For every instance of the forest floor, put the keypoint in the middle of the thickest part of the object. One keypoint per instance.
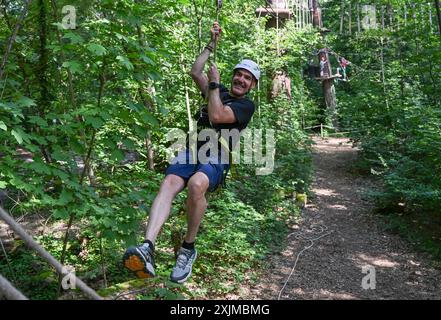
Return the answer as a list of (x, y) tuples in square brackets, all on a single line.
[(352, 249)]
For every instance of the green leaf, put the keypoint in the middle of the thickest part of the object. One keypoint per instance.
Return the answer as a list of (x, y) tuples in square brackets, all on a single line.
[(25, 102), (147, 60), (59, 25), (154, 75), (148, 118), (74, 66), (61, 213), (117, 155), (2, 184), (96, 122), (107, 222), (76, 146), (97, 49), (60, 155), (17, 136), (121, 37), (40, 167), (20, 135), (74, 38), (125, 62), (39, 121), (3, 126), (66, 196), (61, 174)]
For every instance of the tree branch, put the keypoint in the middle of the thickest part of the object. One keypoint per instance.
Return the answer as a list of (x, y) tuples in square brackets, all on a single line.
[(13, 37)]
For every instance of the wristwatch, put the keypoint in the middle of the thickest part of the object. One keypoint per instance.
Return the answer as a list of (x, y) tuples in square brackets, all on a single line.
[(213, 85)]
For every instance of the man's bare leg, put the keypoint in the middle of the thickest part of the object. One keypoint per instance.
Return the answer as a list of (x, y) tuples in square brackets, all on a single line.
[(161, 207), (139, 259), (196, 204)]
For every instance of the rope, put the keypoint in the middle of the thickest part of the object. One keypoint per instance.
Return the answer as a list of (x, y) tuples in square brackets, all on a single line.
[(44, 254), (218, 8), (303, 236), (10, 291), (342, 130)]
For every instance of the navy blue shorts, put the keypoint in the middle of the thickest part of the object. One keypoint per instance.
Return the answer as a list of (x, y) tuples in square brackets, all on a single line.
[(185, 170)]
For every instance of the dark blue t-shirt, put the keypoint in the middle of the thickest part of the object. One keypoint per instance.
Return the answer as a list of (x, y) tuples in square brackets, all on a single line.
[(243, 109)]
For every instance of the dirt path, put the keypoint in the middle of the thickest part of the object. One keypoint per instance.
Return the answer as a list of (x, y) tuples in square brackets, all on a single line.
[(350, 238)]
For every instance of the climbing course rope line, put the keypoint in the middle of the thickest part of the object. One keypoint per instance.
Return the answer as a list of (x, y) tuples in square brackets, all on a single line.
[(360, 69), (299, 235), (44, 254)]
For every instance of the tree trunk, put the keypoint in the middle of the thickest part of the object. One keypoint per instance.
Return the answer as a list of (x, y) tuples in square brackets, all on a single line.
[(12, 38), (405, 15), (44, 99), (149, 106), (430, 18), (390, 13), (382, 17), (342, 15), (438, 15), (350, 18), (358, 18), (316, 18), (383, 77), (331, 101), (72, 96)]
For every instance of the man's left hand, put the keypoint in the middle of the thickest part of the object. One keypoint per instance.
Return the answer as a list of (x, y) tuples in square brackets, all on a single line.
[(213, 74)]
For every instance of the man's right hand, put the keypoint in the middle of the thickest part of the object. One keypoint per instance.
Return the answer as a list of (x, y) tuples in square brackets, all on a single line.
[(216, 31)]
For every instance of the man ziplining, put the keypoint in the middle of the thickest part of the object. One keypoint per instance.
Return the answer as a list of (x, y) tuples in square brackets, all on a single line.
[(226, 109)]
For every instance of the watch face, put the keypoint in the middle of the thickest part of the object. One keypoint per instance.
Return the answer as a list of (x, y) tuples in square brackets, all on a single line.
[(213, 85)]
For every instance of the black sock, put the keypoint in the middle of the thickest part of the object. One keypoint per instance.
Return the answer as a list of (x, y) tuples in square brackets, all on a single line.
[(189, 246), (151, 245)]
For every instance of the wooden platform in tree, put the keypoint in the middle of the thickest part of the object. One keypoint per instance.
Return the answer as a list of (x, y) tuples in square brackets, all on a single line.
[(329, 77), (282, 13)]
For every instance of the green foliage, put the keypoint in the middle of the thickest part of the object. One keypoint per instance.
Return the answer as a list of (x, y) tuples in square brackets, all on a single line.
[(76, 104), (394, 115)]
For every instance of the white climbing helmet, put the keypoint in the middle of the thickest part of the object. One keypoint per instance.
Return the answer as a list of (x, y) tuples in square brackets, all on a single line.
[(251, 66)]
